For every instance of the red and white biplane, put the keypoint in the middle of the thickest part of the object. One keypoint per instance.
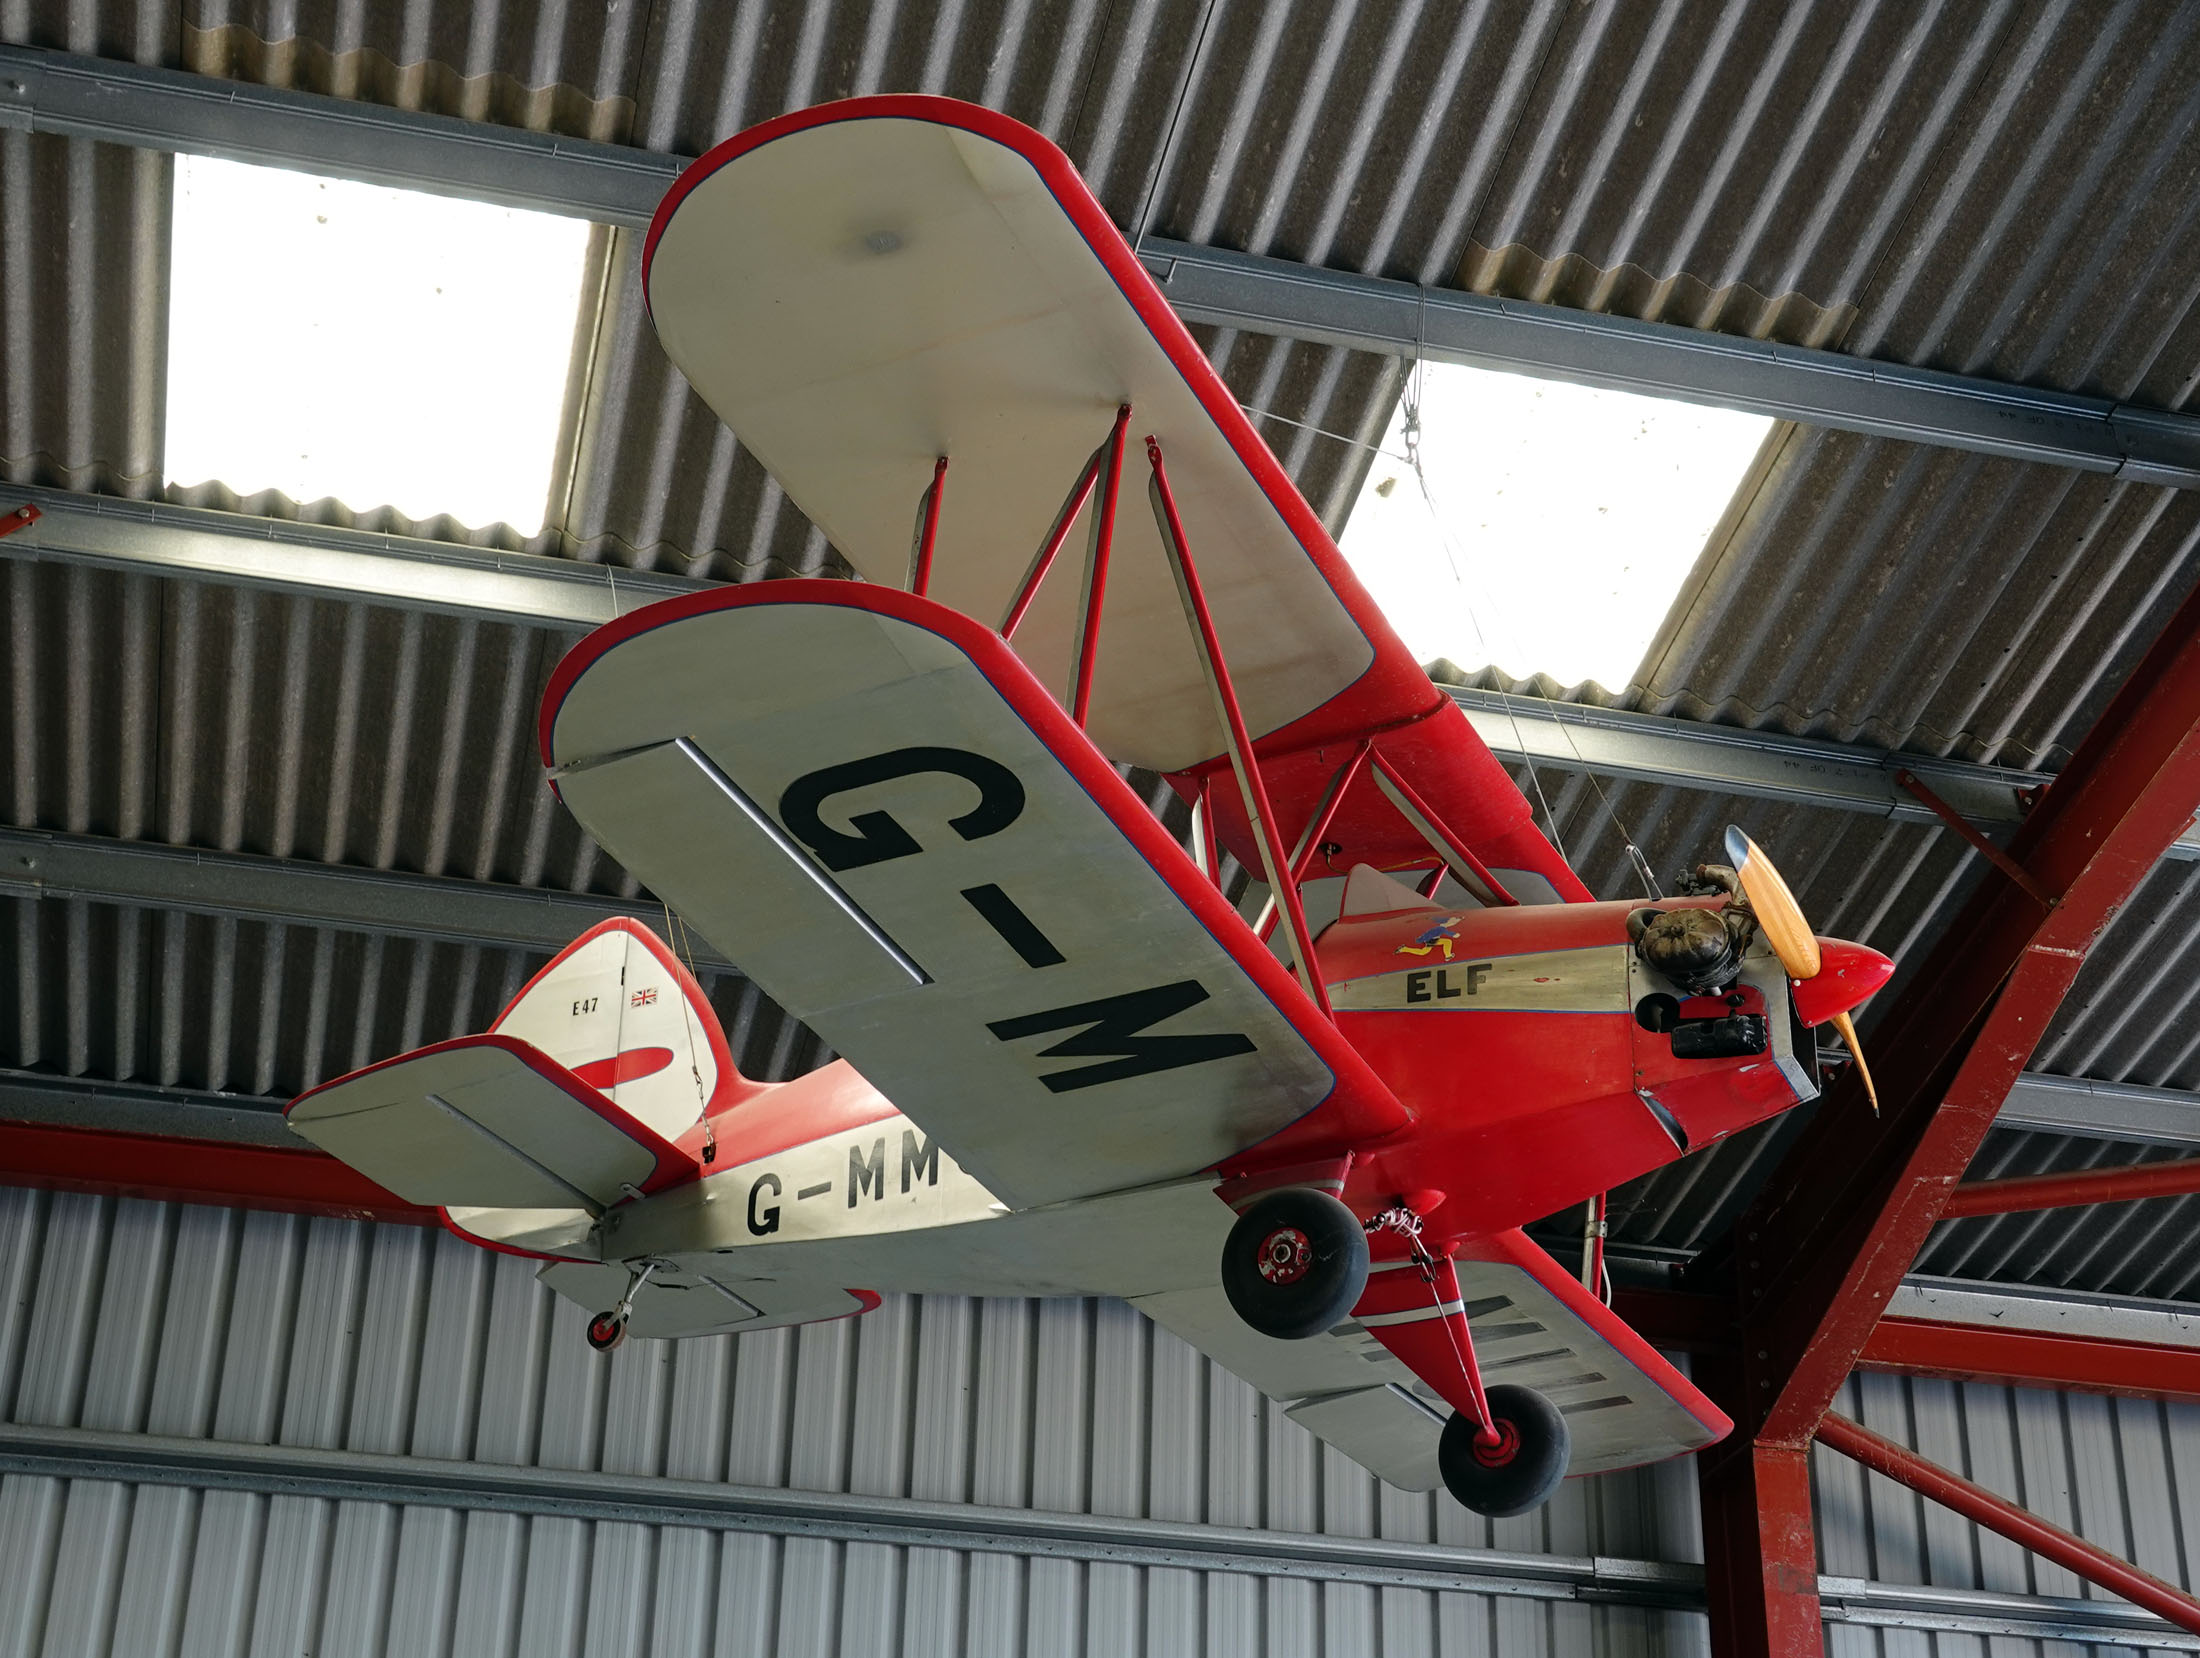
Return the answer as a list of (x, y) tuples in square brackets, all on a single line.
[(1070, 1066)]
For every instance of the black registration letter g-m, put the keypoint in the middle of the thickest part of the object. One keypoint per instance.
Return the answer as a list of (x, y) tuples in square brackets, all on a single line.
[(877, 835)]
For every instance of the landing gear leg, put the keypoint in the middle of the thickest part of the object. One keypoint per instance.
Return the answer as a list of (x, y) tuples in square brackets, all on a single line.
[(1505, 1448), (608, 1330)]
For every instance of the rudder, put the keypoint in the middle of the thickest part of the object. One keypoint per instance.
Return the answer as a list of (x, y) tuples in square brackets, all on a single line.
[(620, 1011)]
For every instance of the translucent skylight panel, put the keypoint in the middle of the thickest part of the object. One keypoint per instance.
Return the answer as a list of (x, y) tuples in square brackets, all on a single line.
[(380, 346), (1557, 525)]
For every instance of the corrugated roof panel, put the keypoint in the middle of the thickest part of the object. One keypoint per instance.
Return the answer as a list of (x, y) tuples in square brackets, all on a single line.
[(549, 68), (231, 717), (1740, 168), (266, 1010), (1914, 598), (710, 71), (83, 313), (2139, 1249), (131, 31), (2054, 240), (2134, 1013)]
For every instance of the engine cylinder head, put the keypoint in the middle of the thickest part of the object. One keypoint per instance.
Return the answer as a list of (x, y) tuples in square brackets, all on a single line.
[(1694, 948)]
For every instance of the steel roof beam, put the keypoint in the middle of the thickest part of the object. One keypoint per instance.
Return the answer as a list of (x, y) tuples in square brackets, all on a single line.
[(167, 109), (298, 892), (2130, 1183), (1759, 765), (2103, 1110), (170, 109), (405, 572), (1819, 388)]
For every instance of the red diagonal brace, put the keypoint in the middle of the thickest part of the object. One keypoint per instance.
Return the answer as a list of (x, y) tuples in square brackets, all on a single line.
[(1831, 1234), (1964, 827), (2020, 1525), (2062, 1191), (19, 518)]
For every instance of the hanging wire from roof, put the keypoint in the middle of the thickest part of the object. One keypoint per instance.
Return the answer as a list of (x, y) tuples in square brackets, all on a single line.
[(1410, 405)]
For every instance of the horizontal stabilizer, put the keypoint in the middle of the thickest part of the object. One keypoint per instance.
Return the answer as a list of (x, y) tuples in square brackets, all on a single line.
[(485, 1122)]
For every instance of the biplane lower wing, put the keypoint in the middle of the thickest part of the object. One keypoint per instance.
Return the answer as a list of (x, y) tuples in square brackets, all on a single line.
[(1534, 1325), (867, 802), (486, 1122)]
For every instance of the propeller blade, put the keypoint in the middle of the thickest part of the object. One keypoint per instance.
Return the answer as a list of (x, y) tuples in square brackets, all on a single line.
[(1847, 1028), (1777, 913)]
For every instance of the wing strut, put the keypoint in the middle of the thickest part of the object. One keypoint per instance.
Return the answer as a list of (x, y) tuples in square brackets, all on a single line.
[(1274, 866), (928, 531), (1096, 569), (1468, 870), (1302, 855)]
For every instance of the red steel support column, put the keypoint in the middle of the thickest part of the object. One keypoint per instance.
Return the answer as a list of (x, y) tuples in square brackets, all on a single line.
[(1827, 1240), (2063, 1191), (1760, 1552), (2020, 1525), (1829, 1237)]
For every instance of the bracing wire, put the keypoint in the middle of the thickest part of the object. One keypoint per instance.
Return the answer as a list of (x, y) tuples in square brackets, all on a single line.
[(1411, 404)]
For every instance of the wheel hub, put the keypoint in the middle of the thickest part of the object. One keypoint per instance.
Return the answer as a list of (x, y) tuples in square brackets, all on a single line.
[(1286, 1254), (1497, 1452)]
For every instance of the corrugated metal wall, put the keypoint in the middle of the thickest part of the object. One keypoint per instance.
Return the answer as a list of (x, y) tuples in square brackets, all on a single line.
[(391, 1344), (2122, 1473), (240, 1418)]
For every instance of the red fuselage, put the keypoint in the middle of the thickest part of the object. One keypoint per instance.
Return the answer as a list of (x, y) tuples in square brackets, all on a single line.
[(1513, 1037)]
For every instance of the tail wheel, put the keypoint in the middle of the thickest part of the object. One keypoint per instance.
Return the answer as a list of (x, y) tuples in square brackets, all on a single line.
[(1521, 1468), (1295, 1263), (606, 1331)]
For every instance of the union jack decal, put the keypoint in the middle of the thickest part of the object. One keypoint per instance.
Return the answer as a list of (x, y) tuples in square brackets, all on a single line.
[(642, 998)]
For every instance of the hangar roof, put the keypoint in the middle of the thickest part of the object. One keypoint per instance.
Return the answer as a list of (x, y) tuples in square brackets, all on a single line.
[(2011, 198)]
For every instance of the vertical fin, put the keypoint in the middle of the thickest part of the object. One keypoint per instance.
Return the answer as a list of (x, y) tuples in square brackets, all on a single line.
[(620, 1011)]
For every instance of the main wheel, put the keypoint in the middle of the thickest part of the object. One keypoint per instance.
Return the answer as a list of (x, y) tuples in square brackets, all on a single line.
[(606, 1331), (1522, 1469), (1295, 1263)]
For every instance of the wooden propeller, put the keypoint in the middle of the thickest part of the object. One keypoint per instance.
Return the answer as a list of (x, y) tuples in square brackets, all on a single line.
[(1781, 920)]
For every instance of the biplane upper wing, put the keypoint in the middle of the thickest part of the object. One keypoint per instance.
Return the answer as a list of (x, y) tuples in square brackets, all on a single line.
[(867, 801), (863, 287)]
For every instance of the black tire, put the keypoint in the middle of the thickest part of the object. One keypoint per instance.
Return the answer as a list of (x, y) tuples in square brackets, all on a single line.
[(1295, 1263), (606, 1331), (1530, 1460)]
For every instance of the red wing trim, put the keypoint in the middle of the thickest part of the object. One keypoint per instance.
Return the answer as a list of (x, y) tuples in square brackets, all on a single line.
[(443, 1216), (1375, 1111), (1393, 687), (732, 1086), (674, 1166)]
